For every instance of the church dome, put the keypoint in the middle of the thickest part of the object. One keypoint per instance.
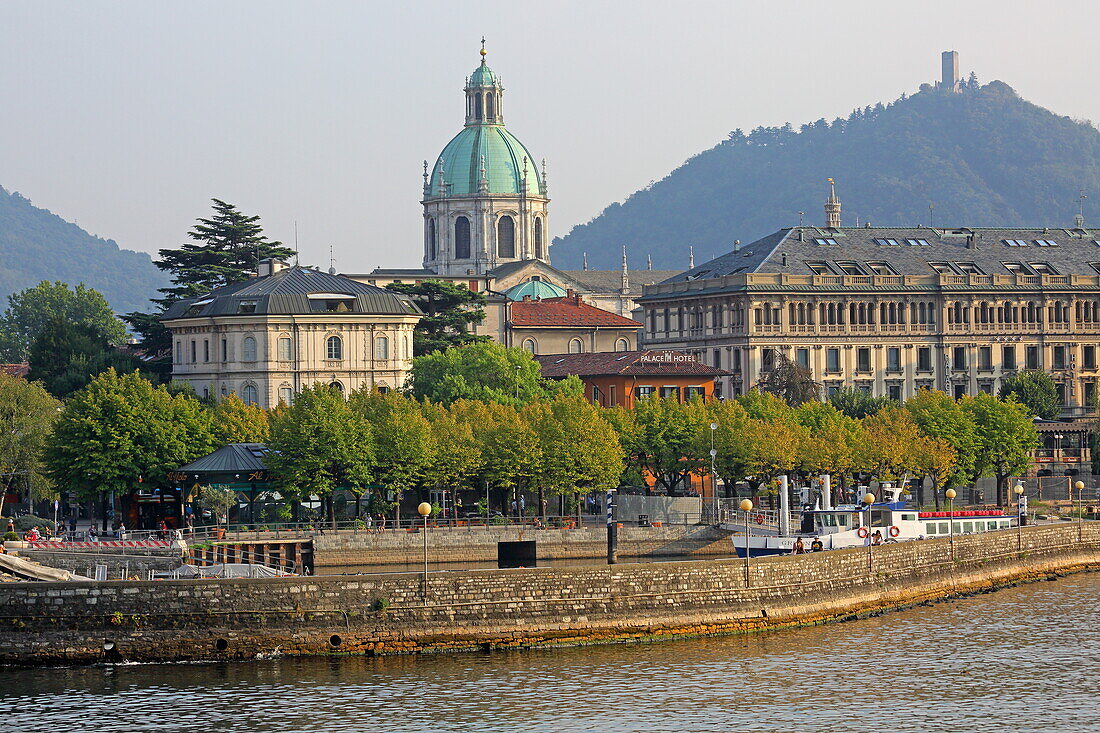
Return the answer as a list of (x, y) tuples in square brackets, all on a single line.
[(461, 160), (483, 76), (535, 289)]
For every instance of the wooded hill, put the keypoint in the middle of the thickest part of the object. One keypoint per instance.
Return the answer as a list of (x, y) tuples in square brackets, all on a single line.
[(36, 245), (982, 156)]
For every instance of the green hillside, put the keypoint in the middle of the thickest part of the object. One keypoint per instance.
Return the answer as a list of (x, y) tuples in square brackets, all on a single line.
[(37, 245), (984, 156)]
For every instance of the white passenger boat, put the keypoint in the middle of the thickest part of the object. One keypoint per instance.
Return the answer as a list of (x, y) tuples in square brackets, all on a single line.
[(852, 525)]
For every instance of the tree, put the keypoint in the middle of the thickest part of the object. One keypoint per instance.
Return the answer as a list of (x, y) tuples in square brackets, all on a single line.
[(319, 444), (232, 421), (579, 448), (27, 415), (120, 432), (666, 442), (1006, 436), (66, 356), (30, 311), (403, 435), (790, 382), (224, 249), (449, 311), (510, 448), (940, 417), (1035, 390), (888, 446), (457, 459), (831, 441), (487, 372), (856, 403)]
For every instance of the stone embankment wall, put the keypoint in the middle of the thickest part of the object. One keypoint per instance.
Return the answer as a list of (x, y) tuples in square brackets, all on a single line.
[(83, 563), (398, 613), (479, 544)]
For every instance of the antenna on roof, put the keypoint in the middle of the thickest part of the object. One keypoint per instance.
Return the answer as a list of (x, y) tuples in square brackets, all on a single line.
[(691, 257), (295, 242), (931, 211), (1080, 221), (331, 262), (584, 261), (800, 215)]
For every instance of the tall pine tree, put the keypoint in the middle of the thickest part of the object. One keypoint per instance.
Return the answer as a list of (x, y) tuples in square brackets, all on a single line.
[(224, 249)]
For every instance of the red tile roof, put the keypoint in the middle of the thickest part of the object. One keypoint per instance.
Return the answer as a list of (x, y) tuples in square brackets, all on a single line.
[(567, 311), (16, 370), (625, 363)]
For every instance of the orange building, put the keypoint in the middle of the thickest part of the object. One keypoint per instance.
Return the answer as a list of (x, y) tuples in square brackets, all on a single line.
[(620, 378)]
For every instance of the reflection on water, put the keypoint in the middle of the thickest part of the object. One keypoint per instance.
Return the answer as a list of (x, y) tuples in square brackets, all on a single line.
[(1018, 660)]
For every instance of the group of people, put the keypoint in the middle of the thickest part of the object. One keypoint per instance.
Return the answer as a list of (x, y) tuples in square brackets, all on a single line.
[(800, 546)]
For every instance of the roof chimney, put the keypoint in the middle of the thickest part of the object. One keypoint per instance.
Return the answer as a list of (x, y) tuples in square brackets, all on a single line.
[(270, 266), (737, 245)]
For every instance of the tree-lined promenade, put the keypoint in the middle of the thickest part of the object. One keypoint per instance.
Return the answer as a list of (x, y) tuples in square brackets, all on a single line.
[(481, 418)]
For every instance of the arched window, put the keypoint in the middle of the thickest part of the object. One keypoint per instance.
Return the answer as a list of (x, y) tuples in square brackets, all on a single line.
[(575, 346), (248, 394), (431, 239), (538, 239), (381, 347), (622, 345), (489, 107), (248, 349), (530, 346), (477, 106), (462, 238), (334, 348), (337, 387), (506, 237)]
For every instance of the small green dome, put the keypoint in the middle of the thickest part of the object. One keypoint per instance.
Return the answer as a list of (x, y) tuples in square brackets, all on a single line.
[(504, 154), (535, 289), (483, 76)]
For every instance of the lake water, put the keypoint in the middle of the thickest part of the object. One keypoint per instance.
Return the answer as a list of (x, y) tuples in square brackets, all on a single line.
[(1022, 659)]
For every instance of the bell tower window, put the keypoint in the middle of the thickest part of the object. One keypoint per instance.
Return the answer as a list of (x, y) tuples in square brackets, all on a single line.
[(489, 107), (506, 237), (462, 238), (538, 239), (431, 239), (477, 106)]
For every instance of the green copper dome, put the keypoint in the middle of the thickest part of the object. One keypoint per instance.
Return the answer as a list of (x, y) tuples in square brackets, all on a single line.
[(483, 76), (535, 289), (504, 154)]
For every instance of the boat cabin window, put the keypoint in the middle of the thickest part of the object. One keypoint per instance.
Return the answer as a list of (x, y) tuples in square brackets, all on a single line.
[(991, 525), (880, 517), (908, 517), (1006, 524), (831, 519)]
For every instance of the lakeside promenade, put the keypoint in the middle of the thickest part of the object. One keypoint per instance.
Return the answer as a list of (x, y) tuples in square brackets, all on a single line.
[(408, 613)]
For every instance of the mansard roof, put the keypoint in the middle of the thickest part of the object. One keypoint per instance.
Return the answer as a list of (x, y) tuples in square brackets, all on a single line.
[(293, 291), (625, 363), (909, 251)]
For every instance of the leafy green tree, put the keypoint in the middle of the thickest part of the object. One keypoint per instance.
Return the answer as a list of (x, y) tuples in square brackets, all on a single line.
[(666, 443), (830, 443), (790, 382), (1006, 436), (66, 356), (510, 449), (579, 448), (1035, 390), (764, 406), (938, 416), (858, 404), (27, 415), (457, 460), (30, 311), (318, 445), (403, 436), (120, 432), (487, 372), (888, 447), (232, 421), (449, 311)]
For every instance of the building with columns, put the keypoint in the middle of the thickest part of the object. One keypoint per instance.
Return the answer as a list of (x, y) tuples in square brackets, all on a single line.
[(894, 310), (268, 337)]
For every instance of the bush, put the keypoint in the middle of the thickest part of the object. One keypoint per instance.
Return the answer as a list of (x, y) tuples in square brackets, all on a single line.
[(27, 521), (11, 537)]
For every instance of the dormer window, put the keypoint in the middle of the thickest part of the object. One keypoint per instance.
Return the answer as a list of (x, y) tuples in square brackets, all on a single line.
[(247, 306), (969, 268), (331, 302), (881, 268), (850, 268), (1043, 268), (197, 307)]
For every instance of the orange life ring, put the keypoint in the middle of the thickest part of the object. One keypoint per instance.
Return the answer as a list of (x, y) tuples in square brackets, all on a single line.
[(759, 518), (863, 532), (895, 531)]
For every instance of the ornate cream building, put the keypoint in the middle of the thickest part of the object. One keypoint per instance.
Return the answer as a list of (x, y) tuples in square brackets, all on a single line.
[(892, 310), (290, 327)]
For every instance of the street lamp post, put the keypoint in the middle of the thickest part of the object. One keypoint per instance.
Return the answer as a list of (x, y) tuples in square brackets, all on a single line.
[(424, 509), (1080, 486), (746, 507), (1020, 514), (868, 500), (713, 473), (951, 494)]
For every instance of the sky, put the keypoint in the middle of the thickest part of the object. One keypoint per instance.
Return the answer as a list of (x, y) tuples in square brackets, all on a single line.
[(128, 117)]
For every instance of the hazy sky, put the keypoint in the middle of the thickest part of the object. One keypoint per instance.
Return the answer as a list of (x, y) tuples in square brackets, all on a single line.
[(127, 117)]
